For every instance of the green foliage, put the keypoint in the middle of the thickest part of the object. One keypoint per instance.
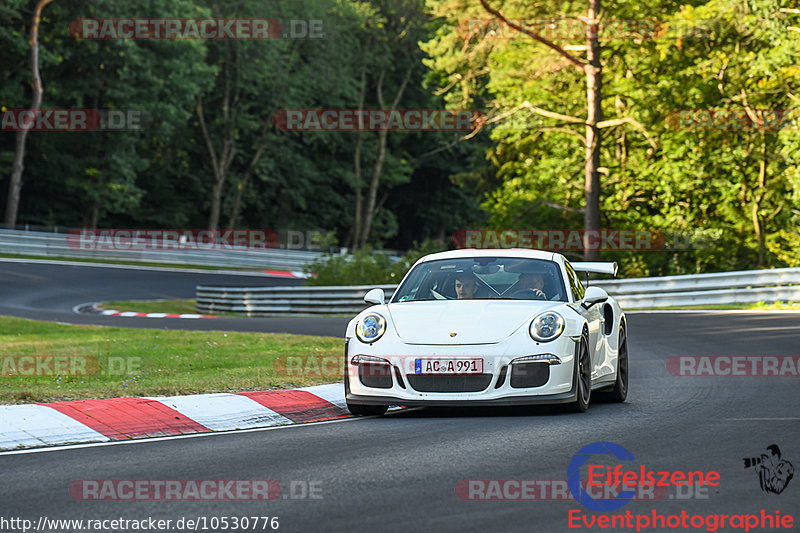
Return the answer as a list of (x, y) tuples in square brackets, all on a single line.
[(522, 170), (690, 179), (365, 267)]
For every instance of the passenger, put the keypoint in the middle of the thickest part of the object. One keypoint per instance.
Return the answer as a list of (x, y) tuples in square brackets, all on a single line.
[(466, 286)]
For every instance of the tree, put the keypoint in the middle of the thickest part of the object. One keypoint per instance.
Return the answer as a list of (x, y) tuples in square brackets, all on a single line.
[(15, 184), (392, 62), (589, 67)]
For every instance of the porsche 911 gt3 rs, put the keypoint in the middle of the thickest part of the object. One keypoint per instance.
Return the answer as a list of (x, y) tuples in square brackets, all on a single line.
[(488, 327)]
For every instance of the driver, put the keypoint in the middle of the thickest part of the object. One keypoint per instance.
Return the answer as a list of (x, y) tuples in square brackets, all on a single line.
[(531, 282), (466, 285)]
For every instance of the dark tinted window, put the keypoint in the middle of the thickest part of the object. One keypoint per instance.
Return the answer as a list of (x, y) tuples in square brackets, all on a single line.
[(574, 283), (506, 278)]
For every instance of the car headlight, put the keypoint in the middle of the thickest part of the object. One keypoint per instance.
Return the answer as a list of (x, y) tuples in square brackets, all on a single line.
[(547, 326), (370, 328), (549, 358)]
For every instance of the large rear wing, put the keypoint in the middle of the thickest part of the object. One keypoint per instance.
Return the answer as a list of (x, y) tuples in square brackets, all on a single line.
[(598, 267)]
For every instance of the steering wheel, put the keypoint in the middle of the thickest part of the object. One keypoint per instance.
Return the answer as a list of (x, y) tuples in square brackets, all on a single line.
[(528, 294)]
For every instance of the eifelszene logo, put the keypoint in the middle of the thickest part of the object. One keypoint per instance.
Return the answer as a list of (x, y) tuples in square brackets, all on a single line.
[(774, 473), (600, 475), (574, 477)]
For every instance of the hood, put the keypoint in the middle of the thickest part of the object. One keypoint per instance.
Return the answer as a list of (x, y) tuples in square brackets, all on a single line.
[(473, 321)]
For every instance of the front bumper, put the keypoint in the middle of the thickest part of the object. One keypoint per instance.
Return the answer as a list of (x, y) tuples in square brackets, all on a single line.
[(500, 383)]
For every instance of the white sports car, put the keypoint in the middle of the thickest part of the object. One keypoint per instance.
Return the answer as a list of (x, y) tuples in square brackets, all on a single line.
[(487, 327)]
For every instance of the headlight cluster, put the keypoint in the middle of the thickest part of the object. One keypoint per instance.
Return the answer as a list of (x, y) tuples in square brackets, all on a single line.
[(370, 328), (547, 326)]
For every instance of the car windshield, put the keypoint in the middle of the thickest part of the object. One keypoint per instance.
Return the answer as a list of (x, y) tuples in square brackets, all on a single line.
[(507, 278)]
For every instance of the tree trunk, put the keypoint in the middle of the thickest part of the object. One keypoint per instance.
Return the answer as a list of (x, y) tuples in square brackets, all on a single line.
[(94, 218), (369, 210), (594, 114), (219, 165), (594, 80), (222, 163), (357, 167), (758, 196), (216, 200), (262, 144), (15, 183), (372, 195)]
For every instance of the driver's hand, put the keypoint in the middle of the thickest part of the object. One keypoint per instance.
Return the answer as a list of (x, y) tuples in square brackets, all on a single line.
[(537, 292)]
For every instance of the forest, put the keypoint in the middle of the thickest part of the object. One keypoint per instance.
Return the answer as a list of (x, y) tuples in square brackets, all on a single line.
[(674, 118)]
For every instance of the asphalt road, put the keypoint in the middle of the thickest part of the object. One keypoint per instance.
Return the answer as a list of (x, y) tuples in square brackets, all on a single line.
[(400, 472), (46, 291)]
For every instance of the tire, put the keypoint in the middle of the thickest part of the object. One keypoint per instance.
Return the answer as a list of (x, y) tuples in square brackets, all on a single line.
[(583, 377), (620, 391), (357, 409)]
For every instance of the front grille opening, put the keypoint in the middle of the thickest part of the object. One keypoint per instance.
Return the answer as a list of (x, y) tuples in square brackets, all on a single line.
[(533, 374), (376, 375), (502, 378), (399, 377), (449, 382)]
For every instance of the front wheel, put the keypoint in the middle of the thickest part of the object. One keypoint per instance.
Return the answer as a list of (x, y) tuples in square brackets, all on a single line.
[(358, 409), (583, 375)]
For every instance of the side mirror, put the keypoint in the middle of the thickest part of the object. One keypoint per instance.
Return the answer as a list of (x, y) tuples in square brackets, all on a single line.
[(594, 295), (376, 296)]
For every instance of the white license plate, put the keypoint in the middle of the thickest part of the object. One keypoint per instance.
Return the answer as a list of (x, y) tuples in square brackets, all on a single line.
[(460, 365)]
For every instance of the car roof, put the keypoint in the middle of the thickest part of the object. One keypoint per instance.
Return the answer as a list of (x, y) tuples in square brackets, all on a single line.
[(504, 252)]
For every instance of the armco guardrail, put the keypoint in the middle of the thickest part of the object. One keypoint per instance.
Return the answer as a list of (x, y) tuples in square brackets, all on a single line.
[(266, 301), (748, 286), (670, 291), (56, 245)]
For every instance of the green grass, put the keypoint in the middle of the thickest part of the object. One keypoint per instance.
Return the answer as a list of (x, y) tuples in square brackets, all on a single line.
[(153, 306), (121, 362), (758, 306)]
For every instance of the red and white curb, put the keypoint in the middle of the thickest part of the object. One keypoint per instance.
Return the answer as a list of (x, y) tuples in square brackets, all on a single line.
[(82, 421), (286, 274), (114, 312)]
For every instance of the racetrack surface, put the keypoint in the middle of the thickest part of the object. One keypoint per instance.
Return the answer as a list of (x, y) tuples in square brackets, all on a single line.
[(399, 472), (48, 291)]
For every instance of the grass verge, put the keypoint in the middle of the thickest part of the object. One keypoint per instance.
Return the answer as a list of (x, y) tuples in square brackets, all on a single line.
[(108, 362), (153, 306)]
